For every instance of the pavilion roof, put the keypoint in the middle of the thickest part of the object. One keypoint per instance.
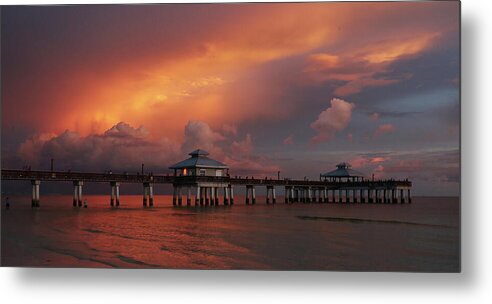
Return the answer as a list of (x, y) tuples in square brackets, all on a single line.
[(199, 159), (343, 170)]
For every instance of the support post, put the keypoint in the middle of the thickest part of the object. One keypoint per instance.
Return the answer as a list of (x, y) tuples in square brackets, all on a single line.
[(117, 188), (402, 198), (180, 196), (188, 197), (174, 195), (274, 196), (226, 195), (212, 196), (247, 195), (198, 198), (216, 194), (253, 195), (207, 196), (75, 194), (145, 194), (79, 200), (409, 197), (115, 194), (268, 195), (35, 193), (111, 200), (231, 190), (151, 194)]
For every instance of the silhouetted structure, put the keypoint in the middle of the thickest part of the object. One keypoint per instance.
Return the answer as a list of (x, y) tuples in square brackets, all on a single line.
[(206, 177)]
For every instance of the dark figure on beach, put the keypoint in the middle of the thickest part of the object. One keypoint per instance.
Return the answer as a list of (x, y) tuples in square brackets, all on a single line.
[(85, 203), (7, 203)]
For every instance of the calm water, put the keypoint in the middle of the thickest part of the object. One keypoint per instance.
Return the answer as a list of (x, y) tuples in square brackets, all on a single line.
[(423, 236)]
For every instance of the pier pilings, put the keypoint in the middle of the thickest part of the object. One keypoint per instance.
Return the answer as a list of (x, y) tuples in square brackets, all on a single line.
[(35, 193), (77, 193)]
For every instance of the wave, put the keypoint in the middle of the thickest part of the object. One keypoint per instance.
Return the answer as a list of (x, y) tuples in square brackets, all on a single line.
[(360, 221)]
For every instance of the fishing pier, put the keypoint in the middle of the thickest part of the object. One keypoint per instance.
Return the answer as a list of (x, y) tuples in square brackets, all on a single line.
[(202, 181)]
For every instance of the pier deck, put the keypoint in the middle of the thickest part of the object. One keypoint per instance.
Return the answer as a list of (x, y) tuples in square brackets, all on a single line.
[(207, 187)]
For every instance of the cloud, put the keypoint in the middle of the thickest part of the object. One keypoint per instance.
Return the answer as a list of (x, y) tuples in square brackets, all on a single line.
[(334, 119), (350, 72), (384, 129), (377, 160), (229, 129), (124, 148), (198, 134), (243, 147), (289, 140), (374, 116), (369, 65), (121, 147), (431, 166), (149, 80)]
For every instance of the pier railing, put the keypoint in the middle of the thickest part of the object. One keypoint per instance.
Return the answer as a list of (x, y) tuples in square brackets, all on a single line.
[(206, 187), (68, 176)]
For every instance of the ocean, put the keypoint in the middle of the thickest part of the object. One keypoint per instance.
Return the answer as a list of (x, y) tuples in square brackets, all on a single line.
[(420, 237)]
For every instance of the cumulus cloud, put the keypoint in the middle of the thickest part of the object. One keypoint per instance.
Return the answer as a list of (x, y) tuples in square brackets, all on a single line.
[(200, 134), (243, 147), (124, 148), (384, 129), (229, 129), (334, 119)]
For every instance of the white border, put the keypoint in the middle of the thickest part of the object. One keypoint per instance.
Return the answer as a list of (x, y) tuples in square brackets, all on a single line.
[(473, 285)]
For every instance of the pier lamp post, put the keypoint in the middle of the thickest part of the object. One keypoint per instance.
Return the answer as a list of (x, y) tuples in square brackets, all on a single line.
[(142, 169), (52, 160)]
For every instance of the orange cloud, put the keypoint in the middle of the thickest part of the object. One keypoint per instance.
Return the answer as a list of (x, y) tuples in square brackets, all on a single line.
[(203, 70), (362, 67), (333, 119), (377, 160), (289, 140), (374, 116), (384, 129)]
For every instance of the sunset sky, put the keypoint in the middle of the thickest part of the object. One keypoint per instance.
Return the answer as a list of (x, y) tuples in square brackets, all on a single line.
[(262, 87)]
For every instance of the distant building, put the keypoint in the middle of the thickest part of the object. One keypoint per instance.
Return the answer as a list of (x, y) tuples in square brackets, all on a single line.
[(199, 164), (343, 173)]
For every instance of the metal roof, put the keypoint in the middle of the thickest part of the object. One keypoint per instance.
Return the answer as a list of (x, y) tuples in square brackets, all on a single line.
[(343, 170), (199, 152), (199, 159)]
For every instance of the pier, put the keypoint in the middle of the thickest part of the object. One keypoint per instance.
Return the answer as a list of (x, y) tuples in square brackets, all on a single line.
[(203, 181)]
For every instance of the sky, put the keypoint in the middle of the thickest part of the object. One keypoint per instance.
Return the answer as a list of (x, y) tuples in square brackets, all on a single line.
[(295, 88)]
